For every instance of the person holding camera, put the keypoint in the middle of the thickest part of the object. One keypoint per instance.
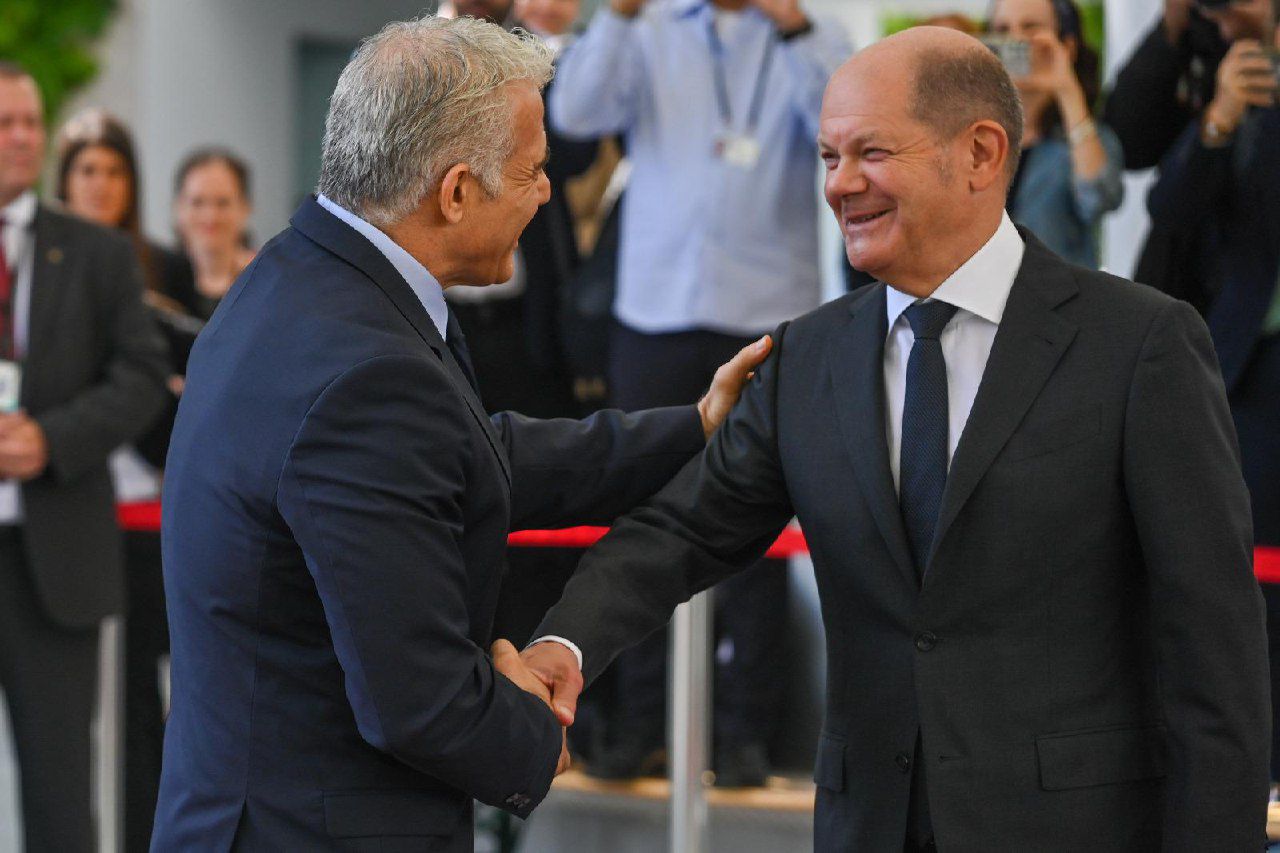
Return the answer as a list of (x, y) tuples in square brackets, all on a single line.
[(1166, 83), (1070, 173), (1221, 180)]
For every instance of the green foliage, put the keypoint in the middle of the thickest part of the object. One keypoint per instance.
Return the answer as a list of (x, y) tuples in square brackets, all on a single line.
[(52, 39), (1091, 19)]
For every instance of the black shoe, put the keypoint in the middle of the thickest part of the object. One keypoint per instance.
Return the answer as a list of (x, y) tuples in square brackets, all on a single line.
[(630, 759), (742, 765)]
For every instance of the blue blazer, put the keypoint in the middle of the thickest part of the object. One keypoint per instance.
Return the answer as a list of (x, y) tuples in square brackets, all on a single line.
[(1229, 199), (336, 511)]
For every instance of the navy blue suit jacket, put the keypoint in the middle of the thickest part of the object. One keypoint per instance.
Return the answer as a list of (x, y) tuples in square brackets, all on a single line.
[(1230, 198), (336, 511)]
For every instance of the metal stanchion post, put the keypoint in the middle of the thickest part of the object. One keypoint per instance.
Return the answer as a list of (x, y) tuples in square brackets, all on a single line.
[(690, 723), (110, 754)]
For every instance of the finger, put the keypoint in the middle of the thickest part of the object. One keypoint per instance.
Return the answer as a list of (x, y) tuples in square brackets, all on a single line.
[(739, 367), (565, 759)]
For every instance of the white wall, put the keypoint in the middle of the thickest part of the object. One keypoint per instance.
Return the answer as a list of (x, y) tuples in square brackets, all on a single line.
[(186, 73)]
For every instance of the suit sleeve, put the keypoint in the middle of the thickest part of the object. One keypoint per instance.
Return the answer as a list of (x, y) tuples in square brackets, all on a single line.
[(1191, 511), (717, 517), (1194, 187), (82, 432), (566, 472), (373, 488), (1143, 107)]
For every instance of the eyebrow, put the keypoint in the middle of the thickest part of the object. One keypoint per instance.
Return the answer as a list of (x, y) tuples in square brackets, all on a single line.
[(861, 140), (546, 158)]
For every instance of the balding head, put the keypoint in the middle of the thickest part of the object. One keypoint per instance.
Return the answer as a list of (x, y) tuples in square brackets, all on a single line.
[(919, 134), (952, 81)]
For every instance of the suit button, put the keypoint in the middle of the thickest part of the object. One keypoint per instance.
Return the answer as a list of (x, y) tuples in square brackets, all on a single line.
[(903, 761), (926, 640)]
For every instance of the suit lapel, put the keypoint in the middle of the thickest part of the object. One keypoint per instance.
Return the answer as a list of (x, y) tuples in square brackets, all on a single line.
[(325, 229), (856, 366), (1030, 342), (47, 286)]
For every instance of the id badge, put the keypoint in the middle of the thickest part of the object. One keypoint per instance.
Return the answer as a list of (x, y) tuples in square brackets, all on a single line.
[(742, 152), (10, 385)]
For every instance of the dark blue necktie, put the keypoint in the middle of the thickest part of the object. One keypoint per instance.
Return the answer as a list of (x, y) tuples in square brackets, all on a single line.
[(923, 460), (457, 343)]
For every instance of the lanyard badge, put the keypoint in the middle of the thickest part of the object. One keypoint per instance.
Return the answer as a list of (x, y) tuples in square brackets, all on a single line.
[(738, 148)]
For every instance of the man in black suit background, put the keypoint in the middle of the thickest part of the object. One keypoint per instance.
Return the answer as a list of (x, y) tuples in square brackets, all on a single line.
[(83, 372), (331, 571), (1028, 522)]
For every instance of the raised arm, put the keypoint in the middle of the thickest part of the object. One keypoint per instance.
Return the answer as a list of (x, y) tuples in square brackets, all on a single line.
[(717, 517), (601, 77)]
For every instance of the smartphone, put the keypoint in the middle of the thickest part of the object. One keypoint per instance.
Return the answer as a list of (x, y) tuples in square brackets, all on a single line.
[(1014, 54)]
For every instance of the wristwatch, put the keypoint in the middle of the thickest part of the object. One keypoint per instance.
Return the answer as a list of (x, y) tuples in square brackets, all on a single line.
[(1213, 136), (797, 32)]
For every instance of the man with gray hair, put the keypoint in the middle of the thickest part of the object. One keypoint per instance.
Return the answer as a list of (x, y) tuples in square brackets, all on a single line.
[(1030, 532), (337, 504)]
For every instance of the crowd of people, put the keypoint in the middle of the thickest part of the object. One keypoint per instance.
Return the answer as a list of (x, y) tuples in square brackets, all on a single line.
[(681, 225)]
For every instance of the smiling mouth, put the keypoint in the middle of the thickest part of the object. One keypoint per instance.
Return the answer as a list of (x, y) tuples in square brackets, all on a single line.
[(865, 218)]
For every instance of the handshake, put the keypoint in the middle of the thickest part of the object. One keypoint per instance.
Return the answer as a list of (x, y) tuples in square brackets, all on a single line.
[(550, 672)]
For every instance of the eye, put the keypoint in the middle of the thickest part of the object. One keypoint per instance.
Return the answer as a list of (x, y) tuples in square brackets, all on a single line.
[(830, 159), (874, 154)]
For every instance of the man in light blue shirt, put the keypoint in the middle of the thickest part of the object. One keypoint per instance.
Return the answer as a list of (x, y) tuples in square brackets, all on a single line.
[(718, 102)]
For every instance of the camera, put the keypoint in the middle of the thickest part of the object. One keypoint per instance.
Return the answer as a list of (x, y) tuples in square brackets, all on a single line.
[(1014, 54)]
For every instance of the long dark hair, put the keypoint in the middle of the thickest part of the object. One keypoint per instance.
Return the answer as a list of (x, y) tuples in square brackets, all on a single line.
[(1068, 23), (95, 128)]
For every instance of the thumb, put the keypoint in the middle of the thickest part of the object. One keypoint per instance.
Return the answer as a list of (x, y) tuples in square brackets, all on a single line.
[(564, 698), (502, 649)]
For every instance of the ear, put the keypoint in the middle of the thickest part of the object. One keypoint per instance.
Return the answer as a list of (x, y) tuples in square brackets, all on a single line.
[(988, 154), (455, 192)]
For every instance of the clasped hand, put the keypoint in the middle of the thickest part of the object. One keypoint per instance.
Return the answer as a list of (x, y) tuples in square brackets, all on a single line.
[(507, 661)]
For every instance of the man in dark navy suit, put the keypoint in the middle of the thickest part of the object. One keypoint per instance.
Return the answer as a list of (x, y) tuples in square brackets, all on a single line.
[(337, 502)]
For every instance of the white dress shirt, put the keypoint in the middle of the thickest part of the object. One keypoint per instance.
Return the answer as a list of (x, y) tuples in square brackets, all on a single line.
[(20, 251), (979, 289), (419, 278)]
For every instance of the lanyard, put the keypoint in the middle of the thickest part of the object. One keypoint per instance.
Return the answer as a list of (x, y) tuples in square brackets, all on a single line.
[(722, 85)]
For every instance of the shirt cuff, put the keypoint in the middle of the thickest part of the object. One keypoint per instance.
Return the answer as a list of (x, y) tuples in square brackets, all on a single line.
[(568, 644)]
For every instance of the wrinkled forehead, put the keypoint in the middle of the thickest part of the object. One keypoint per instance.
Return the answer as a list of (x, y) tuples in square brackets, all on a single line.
[(864, 95)]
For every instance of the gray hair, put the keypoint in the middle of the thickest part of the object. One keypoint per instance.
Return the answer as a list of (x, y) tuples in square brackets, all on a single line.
[(416, 99), (954, 89)]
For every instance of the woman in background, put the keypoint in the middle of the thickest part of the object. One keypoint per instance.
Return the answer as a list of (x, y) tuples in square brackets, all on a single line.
[(211, 212), (98, 180), (1070, 173)]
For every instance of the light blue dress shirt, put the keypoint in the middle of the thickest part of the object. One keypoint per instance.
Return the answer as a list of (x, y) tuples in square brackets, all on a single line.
[(420, 280), (706, 244)]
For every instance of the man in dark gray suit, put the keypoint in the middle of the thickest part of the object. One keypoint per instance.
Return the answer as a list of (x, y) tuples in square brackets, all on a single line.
[(82, 370), (1021, 488)]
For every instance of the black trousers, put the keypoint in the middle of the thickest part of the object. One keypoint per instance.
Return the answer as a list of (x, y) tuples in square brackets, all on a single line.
[(146, 640), (676, 369), (1255, 408), (49, 675)]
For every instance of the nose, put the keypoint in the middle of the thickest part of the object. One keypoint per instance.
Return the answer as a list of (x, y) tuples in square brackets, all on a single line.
[(544, 189), (845, 180)]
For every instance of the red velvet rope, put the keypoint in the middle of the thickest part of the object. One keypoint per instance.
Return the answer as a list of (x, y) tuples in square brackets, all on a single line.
[(145, 517)]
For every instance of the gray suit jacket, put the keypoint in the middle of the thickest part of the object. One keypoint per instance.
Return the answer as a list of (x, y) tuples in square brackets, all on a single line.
[(93, 378), (1085, 661)]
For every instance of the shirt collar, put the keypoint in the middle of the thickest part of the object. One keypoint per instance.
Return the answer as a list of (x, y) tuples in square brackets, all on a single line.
[(981, 285), (20, 212), (420, 280)]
